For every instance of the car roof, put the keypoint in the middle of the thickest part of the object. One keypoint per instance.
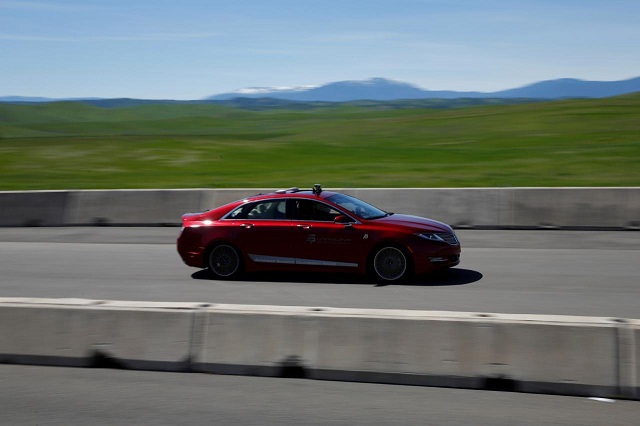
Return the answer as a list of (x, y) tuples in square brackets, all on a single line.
[(292, 193)]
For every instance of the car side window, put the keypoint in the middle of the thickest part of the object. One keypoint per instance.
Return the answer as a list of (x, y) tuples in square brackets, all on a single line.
[(237, 213), (316, 211), (270, 209)]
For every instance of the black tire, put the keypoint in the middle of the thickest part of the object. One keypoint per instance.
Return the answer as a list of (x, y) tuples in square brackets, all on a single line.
[(225, 262), (390, 264)]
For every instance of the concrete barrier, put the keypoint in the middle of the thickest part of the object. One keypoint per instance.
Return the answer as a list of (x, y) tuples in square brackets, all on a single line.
[(212, 198), (525, 353), (631, 364), (130, 207), (528, 353), (82, 333), (596, 208), (576, 207), (628, 347), (479, 207), (258, 340), (537, 355), (32, 208)]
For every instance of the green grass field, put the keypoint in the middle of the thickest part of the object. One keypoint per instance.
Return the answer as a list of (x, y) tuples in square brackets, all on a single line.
[(563, 143)]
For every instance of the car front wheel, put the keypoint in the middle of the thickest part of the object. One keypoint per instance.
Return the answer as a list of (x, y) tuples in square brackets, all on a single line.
[(225, 262), (390, 264)]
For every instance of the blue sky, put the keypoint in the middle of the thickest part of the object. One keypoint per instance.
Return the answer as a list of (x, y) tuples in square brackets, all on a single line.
[(190, 49)]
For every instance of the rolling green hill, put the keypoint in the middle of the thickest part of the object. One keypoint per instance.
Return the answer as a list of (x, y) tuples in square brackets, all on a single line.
[(67, 145)]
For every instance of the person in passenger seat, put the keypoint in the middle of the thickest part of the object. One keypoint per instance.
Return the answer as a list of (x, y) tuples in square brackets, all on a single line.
[(258, 212), (305, 211)]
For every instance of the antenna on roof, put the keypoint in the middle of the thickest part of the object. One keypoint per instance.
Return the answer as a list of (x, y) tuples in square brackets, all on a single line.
[(317, 189)]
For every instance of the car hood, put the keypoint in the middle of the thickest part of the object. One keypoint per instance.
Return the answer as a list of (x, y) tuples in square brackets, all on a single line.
[(417, 222)]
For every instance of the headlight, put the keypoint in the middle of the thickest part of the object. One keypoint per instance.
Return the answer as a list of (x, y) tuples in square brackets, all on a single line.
[(431, 237)]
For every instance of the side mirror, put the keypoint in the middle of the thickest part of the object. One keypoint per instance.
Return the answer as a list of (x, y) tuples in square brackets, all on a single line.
[(342, 219)]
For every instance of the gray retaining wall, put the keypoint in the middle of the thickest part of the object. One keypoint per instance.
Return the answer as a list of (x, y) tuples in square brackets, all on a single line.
[(611, 208)]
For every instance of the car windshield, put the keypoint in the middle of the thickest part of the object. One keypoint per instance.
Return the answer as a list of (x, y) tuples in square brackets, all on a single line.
[(357, 207)]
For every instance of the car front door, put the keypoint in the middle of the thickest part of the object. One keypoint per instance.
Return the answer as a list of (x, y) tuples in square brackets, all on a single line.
[(321, 241)]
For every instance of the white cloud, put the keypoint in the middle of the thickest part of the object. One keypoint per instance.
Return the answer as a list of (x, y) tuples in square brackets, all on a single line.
[(259, 90)]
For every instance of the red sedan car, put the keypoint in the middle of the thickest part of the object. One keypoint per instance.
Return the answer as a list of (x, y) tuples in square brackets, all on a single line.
[(315, 230)]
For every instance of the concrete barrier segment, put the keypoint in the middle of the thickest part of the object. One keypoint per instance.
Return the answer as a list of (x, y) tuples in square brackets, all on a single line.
[(576, 207), (629, 353), (587, 356), (529, 353), (461, 208), (531, 356), (130, 207), (32, 208), (86, 333), (258, 343)]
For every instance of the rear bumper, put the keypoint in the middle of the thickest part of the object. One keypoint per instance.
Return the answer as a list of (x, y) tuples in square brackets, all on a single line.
[(190, 250), (191, 258)]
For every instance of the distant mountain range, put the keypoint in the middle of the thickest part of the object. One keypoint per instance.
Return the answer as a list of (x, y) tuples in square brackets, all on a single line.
[(382, 89)]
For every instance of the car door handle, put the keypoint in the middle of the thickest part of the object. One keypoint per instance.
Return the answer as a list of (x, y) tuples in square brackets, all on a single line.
[(304, 226), (247, 225)]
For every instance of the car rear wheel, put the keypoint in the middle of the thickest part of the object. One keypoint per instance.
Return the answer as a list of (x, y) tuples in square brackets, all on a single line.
[(225, 261), (390, 264)]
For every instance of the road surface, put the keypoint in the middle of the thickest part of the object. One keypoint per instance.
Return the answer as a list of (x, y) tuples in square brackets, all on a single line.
[(590, 273)]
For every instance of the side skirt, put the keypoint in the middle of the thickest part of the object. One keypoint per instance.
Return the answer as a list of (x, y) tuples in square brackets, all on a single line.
[(259, 258)]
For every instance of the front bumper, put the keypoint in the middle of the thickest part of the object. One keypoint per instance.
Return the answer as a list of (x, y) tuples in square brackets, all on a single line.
[(449, 261), (432, 260)]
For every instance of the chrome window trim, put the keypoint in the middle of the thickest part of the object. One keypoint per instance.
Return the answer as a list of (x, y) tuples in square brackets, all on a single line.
[(265, 200), (334, 207)]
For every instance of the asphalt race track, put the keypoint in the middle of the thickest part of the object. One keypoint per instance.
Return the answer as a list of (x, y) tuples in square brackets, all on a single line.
[(542, 272), (79, 396), (591, 273)]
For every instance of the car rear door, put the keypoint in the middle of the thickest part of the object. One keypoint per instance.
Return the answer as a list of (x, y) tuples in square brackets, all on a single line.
[(264, 233)]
